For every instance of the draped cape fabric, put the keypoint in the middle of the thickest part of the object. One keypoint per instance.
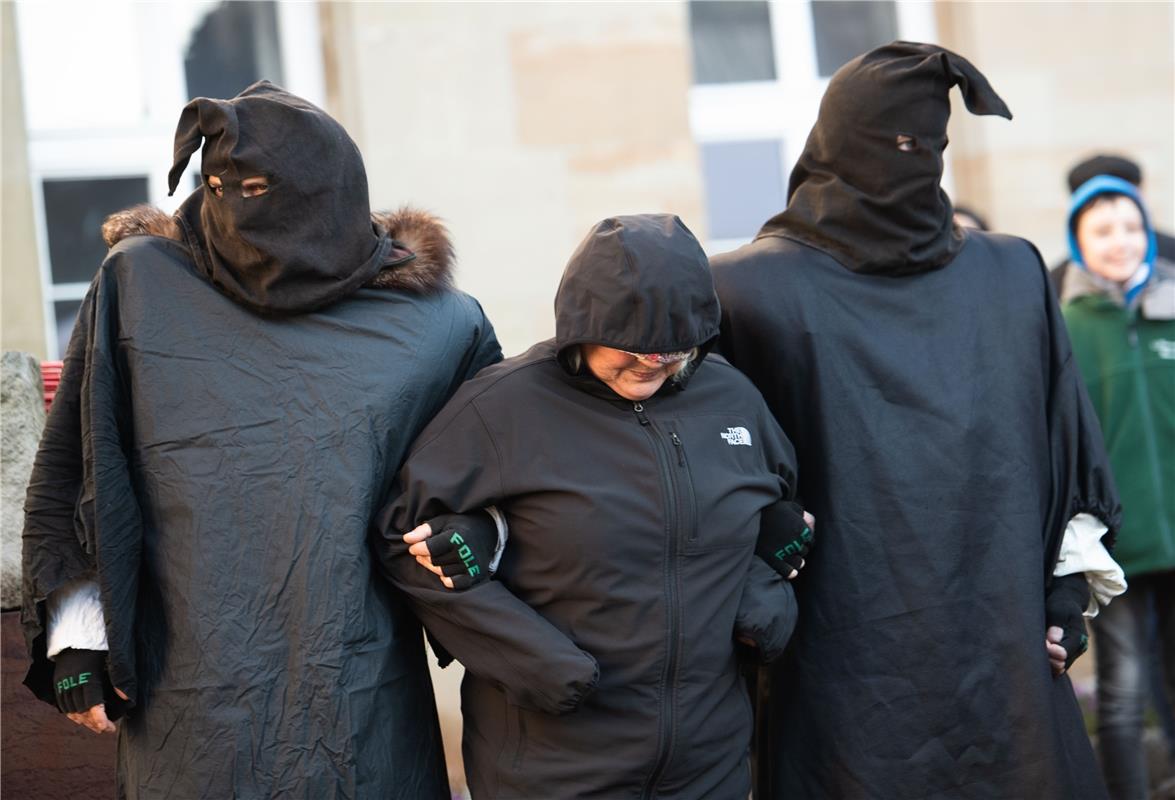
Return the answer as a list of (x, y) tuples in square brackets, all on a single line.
[(944, 439), (215, 471)]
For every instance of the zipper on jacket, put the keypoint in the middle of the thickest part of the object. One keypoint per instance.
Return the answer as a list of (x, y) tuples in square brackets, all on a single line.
[(686, 516), (639, 410), (678, 447), (669, 674)]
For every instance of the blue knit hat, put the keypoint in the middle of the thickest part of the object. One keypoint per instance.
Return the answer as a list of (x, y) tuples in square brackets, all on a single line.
[(1109, 184)]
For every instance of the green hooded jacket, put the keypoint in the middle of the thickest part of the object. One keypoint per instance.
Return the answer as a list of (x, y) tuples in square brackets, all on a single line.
[(1127, 358)]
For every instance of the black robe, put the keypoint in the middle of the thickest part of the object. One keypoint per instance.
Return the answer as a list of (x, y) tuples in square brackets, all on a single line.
[(215, 470), (944, 439)]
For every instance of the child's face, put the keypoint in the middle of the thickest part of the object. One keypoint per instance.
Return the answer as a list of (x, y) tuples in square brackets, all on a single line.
[(1112, 238)]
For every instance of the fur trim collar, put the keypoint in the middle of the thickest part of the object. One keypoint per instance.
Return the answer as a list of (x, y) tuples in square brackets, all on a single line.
[(427, 237), (415, 230), (141, 220)]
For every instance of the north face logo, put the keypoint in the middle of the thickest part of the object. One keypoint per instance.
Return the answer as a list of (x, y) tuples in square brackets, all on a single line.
[(738, 435)]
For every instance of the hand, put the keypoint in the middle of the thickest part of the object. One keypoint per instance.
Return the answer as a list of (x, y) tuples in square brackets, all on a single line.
[(460, 553), (785, 537), (1056, 653), (83, 689), (1064, 612)]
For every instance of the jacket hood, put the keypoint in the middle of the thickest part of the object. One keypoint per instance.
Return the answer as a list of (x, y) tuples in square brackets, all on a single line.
[(309, 240), (854, 194), (423, 262), (1111, 185), (638, 283)]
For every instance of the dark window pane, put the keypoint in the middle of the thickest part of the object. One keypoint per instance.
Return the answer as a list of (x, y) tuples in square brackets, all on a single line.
[(235, 45), (65, 312), (744, 186), (731, 42), (74, 212), (844, 30)]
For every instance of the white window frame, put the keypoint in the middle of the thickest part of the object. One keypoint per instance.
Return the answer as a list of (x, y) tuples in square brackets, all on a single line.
[(785, 108), (143, 148)]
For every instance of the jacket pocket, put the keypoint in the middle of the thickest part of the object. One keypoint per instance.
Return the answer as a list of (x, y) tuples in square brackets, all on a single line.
[(514, 746), (722, 481)]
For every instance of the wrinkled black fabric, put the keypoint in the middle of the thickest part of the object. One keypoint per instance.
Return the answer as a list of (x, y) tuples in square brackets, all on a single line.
[(222, 468), (944, 438), (600, 661), (853, 193), (306, 242)]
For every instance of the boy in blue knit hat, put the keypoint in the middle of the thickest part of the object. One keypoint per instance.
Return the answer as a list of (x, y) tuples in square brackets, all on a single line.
[(1119, 306)]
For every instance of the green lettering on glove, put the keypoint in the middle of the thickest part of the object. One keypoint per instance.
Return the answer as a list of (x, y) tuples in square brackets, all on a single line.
[(465, 542)]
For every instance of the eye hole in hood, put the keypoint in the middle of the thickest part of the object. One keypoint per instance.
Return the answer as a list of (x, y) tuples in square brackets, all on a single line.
[(638, 283)]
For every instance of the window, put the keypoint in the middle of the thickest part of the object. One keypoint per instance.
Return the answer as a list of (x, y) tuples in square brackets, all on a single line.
[(844, 29), (65, 313), (236, 45), (744, 186), (74, 212), (760, 70), (731, 42)]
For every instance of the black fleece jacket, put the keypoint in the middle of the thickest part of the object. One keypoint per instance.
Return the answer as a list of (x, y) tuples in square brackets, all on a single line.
[(601, 661)]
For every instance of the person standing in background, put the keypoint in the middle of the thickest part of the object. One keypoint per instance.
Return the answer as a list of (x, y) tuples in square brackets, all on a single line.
[(1119, 306), (1118, 167)]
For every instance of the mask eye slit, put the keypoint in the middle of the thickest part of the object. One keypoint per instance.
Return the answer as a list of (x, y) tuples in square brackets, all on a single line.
[(254, 186), (907, 143)]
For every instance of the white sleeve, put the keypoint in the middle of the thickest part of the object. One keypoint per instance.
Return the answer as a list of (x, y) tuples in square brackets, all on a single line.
[(503, 535), (1082, 551), (75, 618)]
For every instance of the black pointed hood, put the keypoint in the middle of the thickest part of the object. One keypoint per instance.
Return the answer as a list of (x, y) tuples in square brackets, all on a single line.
[(309, 240), (638, 283), (853, 193)]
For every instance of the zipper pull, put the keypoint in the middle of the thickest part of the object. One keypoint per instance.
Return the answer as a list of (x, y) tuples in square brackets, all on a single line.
[(680, 449), (640, 413)]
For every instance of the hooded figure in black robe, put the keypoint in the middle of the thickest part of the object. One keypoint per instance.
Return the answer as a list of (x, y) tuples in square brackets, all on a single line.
[(944, 440), (242, 383)]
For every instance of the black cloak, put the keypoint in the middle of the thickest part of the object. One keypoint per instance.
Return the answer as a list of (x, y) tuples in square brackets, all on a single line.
[(944, 439), (215, 471)]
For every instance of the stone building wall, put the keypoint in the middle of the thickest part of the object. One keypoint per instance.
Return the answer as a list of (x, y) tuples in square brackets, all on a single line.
[(522, 125), (1080, 78)]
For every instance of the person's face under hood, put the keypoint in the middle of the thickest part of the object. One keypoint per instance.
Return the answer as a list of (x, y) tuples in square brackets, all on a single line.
[(866, 188), (308, 239), (636, 295)]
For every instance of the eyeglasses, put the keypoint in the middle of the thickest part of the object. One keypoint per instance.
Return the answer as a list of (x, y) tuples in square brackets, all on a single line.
[(661, 358)]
